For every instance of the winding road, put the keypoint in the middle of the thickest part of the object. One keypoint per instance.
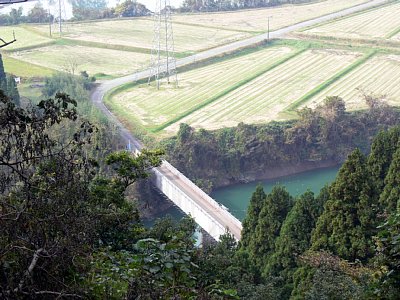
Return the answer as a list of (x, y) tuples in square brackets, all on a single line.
[(98, 93)]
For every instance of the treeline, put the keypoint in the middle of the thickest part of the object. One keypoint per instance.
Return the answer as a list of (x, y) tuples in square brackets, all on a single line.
[(342, 244), (326, 134), (81, 10), (224, 5)]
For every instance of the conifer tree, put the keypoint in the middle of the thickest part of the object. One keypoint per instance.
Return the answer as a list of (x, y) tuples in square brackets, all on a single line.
[(382, 150), (348, 222), (251, 219), (390, 197), (276, 206), (294, 237), (3, 79), (12, 90)]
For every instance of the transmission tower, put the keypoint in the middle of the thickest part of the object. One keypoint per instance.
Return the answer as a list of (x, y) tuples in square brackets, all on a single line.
[(59, 17), (163, 62)]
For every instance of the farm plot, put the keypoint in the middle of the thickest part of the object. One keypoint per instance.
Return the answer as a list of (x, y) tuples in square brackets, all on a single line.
[(378, 23), (379, 75), (24, 37), (256, 19), (80, 58), (266, 97), (154, 107), (139, 33)]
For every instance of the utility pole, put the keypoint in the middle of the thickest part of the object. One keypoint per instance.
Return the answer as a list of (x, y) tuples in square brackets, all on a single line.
[(268, 29), (163, 62), (59, 17)]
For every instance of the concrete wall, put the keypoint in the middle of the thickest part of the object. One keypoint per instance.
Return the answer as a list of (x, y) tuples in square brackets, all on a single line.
[(189, 206)]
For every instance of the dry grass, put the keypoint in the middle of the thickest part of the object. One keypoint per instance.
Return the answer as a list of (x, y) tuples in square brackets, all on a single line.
[(379, 76), (374, 24), (267, 97), (256, 19), (154, 107), (262, 99), (139, 33), (92, 60), (25, 38)]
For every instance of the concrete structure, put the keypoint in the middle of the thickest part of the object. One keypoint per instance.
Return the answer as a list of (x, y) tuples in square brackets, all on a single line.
[(212, 217)]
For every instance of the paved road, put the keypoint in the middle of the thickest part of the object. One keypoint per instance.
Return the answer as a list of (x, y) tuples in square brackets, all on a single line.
[(98, 95)]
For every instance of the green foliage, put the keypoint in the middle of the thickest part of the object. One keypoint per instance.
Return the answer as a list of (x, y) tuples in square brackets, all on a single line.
[(390, 197), (324, 134), (252, 217), (388, 248), (274, 210), (129, 168), (348, 222), (12, 90), (294, 237), (130, 8)]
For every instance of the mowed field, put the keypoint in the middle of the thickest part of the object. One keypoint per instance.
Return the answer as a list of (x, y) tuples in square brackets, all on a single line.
[(254, 88), (139, 33), (92, 60), (255, 20), (380, 76), (25, 38), (379, 23)]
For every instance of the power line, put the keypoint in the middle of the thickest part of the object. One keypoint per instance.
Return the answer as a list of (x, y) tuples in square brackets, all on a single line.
[(163, 62)]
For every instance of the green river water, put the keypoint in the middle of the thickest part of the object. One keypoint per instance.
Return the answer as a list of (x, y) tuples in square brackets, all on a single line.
[(236, 197)]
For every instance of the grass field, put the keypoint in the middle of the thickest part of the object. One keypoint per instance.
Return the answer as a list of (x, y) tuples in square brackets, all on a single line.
[(379, 75), (261, 98), (24, 37), (255, 20), (92, 60), (378, 23), (139, 33), (24, 69)]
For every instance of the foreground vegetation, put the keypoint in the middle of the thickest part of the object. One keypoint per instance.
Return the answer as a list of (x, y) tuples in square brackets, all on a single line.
[(85, 240)]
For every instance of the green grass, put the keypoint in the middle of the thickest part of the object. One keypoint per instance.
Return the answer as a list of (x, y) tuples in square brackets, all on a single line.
[(330, 81), (393, 33), (24, 69), (226, 91), (25, 38)]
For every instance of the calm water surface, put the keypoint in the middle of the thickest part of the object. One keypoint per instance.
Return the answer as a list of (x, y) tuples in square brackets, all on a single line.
[(237, 197)]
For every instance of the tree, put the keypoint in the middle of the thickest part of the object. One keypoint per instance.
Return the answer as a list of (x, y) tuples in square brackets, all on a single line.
[(348, 222), (131, 8), (388, 256), (3, 79), (276, 206), (88, 9), (390, 197), (294, 237), (252, 216), (38, 14), (12, 90), (52, 211)]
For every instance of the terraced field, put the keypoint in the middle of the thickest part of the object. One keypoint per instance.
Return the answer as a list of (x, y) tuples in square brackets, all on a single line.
[(25, 38), (154, 107), (267, 97), (245, 89), (379, 75), (256, 20), (379, 23), (92, 60), (139, 33)]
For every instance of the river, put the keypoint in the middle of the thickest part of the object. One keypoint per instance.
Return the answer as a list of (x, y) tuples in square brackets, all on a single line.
[(236, 197)]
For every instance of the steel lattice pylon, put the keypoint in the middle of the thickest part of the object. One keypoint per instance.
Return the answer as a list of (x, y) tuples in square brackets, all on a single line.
[(163, 62)]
